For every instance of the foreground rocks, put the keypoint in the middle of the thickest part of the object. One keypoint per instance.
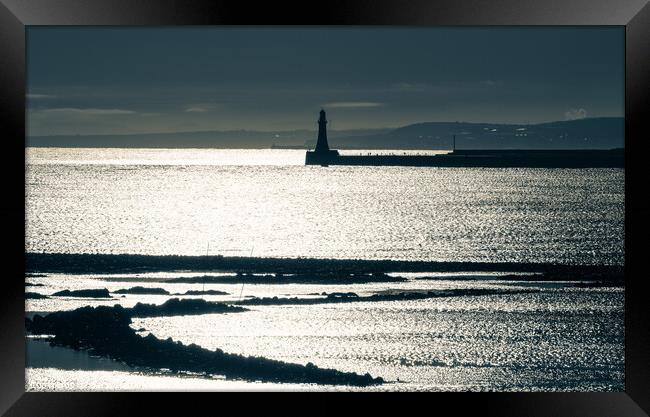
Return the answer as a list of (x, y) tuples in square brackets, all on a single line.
[(90, 293), (328, 278), (178, 307), (106, 331), (279, 278), (204, 292), (387, 296), (142, 290), (35, 296)]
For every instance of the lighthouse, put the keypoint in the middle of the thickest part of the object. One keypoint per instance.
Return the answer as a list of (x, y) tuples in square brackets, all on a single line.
[(322, 155), (321, 144)]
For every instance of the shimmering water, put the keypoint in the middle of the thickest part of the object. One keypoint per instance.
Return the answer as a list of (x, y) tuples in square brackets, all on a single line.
[(559, 338), (465, 343), (266, 202)]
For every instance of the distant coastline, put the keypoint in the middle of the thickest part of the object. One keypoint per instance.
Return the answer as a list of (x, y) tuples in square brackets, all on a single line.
[(588, 133)]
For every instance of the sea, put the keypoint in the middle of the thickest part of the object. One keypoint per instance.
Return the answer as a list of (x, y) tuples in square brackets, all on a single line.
[(267, 203)]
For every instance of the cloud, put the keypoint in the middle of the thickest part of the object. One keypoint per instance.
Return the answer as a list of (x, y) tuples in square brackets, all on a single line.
[(39, 96), (196, 109), (88, 111), (411, 87), (353, 104), (575, 114)]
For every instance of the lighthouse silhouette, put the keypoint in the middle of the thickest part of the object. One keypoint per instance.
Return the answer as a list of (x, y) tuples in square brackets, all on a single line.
[(321, 144), (322, 154)]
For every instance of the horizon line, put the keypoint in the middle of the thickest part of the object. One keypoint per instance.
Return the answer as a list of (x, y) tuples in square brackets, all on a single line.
[(314, 130)]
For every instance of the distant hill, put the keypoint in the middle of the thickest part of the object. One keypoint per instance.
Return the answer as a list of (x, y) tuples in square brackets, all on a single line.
[(594, 133)]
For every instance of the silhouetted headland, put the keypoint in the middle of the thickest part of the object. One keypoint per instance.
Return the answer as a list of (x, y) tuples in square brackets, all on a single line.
[(106, 331), (485, 158), (326, 270)]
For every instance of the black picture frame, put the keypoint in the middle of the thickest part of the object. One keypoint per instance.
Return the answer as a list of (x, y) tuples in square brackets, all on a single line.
[(634, 15)]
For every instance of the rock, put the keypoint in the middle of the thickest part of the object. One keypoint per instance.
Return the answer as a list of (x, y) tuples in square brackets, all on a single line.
[(206, 292), (177, 307), (90, 293), (35, 296), (142, 290)]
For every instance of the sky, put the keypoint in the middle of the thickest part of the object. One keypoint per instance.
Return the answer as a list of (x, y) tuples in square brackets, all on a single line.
[(117, 80)]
